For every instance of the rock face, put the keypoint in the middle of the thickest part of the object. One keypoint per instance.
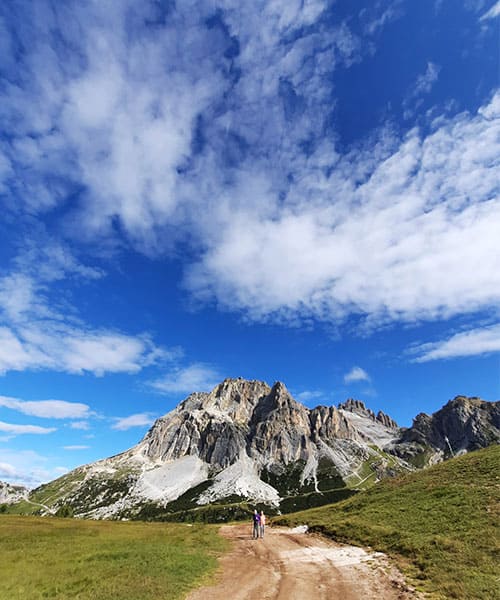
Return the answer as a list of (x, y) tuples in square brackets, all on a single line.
[(246, 440), (462, 425), (10, 494)]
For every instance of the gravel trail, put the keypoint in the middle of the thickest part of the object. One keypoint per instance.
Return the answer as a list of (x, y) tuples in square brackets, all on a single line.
[(289, 564)]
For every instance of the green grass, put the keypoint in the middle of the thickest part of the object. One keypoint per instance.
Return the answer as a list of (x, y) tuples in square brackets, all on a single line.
[(90, 560), (441, 525)]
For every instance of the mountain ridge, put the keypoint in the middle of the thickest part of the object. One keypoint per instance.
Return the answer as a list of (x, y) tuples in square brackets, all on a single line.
[(246, 440)]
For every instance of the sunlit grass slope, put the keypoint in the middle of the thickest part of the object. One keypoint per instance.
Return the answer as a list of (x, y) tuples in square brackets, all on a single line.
[(89, 560), (442, 524)]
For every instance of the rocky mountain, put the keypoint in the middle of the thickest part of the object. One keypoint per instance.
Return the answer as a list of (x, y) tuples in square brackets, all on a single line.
[(10, 494), (462, 425), (247, 441)]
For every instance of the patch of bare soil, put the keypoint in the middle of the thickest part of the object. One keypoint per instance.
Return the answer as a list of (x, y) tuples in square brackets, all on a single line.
[(289, 564)]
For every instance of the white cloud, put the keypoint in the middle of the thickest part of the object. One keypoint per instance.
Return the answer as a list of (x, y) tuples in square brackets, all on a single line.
[(83, 425), (47, 409), (425, 82), (26, 467), (373, 22), (65, 348), (475, 342), (396, 230), (197, 377), (422, 86), (404, 231), (38, 331), (76, 447), (309, 395), (7, 470), (122, 129), (125, 132), (356, 374), (137, 420), (25, 429), (493, 12)]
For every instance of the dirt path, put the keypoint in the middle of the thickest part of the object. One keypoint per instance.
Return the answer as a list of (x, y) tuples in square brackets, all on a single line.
[(291, 565)]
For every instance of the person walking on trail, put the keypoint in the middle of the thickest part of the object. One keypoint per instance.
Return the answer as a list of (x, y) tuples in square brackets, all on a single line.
[(256, 524), (262, 523)]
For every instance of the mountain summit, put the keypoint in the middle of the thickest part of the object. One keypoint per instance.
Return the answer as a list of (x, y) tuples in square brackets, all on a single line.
[(245, 440)]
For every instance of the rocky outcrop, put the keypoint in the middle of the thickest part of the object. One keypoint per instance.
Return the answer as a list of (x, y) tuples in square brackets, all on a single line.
[(9, 494), (358, 407), (462, 425)]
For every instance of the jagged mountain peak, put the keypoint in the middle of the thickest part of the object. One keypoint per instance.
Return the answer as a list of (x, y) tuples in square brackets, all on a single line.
[(358, 407), (462, 424), (247, 439), (235, 398)]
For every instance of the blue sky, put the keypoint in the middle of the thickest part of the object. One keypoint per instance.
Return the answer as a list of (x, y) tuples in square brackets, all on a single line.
[(297, 190)]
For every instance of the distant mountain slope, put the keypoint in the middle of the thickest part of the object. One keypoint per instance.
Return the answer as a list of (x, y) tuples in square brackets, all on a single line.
[(442, 522), (10, 494), (243, 440), (247, 441), (462, 425)]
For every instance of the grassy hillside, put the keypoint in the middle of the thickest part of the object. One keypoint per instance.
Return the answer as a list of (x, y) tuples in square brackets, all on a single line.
[(88, 560), (441, 524)]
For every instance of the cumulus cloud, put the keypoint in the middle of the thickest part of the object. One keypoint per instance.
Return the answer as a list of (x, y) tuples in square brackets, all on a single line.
[(356, 374), (47, 409), (137, 420), (405, 231), (197, 377), (475, 342)]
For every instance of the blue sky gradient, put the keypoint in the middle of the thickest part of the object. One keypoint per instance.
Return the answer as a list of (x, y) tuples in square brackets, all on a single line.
[(300, 191)]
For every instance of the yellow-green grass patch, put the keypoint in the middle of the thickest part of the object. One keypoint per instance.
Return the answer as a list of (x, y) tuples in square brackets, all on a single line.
[(99, 560)]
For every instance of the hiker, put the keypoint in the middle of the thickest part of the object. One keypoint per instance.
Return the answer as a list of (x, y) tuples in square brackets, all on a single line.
[(262, 523), (256, 524)]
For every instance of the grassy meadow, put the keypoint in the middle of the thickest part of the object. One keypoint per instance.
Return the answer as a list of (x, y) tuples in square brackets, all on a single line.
[(442, 525), (103, 560)]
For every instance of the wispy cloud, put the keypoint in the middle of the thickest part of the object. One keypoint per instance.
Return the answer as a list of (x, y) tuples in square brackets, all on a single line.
[(76, 447), (137, 420), (197, 377), (422, 86), (47, 409), (425, 82), (493, 12), (24, 429), (26, 467), (475, 342), (356, 374), (38, 331), (238, 127), (309, 396), (59, 347), (409, 234), (374, 19), (83, 425)]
